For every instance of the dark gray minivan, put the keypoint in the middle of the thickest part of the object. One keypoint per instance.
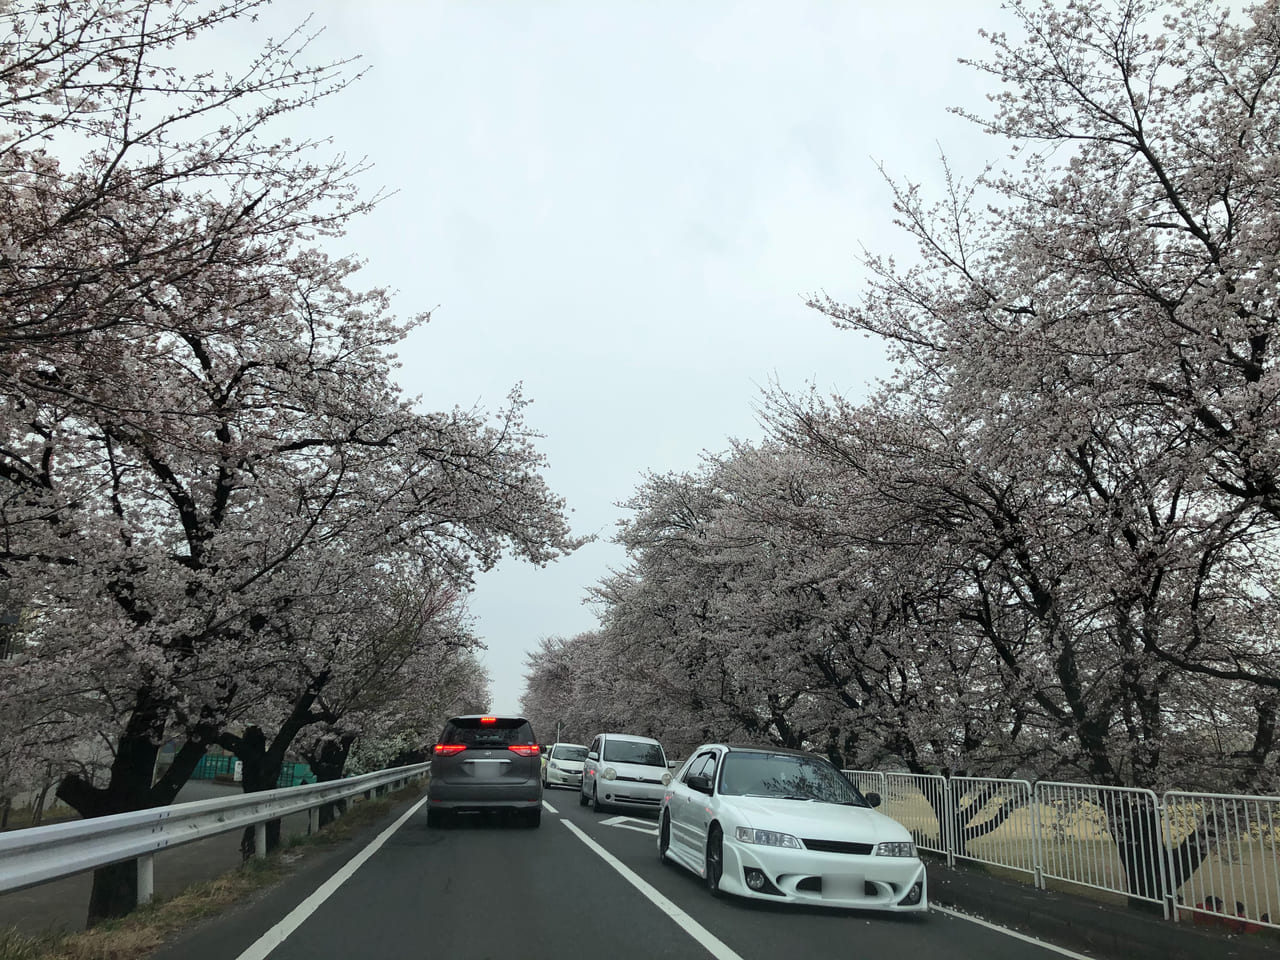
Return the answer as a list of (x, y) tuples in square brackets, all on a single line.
[(485, 763)]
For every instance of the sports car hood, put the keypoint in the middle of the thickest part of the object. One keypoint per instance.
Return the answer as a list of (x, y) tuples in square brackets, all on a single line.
[(809, 818)]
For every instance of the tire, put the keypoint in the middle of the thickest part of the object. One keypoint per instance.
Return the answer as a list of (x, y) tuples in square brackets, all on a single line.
[(596, 805), (664, 837), (715, 859), (533, 818), (436, 818), (582, 798)]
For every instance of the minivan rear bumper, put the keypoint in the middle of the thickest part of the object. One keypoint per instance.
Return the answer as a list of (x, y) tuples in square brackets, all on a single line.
[(483, 796)]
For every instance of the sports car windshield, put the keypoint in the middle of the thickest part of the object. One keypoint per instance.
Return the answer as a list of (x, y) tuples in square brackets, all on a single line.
[(786, 776)]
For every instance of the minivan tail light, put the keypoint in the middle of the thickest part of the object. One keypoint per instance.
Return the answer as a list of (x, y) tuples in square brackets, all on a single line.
[(525, 749), (488, 720), (448, 749)]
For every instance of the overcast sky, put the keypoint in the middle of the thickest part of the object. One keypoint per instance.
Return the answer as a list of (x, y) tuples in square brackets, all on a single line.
[(621, 205)]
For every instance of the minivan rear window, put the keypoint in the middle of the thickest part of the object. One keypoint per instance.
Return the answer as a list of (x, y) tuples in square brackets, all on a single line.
[(500, 732)]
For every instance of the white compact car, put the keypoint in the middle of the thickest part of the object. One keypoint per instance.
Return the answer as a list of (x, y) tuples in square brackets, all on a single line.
[(786, 826), (624, 771), (562, 764)]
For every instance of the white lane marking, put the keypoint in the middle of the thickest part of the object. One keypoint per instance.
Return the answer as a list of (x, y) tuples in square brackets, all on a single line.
[(550, 807), (260, 948), (1062, 951), (630, 823), (690, 926)]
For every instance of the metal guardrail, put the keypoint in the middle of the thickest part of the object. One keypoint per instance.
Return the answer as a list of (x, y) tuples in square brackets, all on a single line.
[(1212, 857), (39, 854)]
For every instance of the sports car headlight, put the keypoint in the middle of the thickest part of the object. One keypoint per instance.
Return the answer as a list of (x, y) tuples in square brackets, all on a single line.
[(666, 779), (609, 773), (896, 848), (769, 838)]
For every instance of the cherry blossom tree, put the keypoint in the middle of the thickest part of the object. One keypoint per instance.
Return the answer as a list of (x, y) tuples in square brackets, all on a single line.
[(203, 455), (1088, 338)]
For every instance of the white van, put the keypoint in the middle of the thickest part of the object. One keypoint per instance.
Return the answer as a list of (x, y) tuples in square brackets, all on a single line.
[(624, 771)]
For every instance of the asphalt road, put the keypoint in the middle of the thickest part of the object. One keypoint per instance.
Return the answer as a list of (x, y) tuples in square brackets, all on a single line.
[(582, 883)]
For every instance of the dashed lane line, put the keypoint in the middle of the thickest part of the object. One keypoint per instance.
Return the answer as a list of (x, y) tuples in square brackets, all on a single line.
[(686, 923)]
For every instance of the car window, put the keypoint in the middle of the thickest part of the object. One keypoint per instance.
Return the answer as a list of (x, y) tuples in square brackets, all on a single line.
[(709, 768), (787, 775), (698, 765), (487, 731), (564, 752), (634, 751)]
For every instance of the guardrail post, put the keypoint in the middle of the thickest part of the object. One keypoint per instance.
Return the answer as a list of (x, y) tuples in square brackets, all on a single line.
[(1164, 850), (146, 878), (1037, 859), (949, 839), (312, 814), (260, 839)]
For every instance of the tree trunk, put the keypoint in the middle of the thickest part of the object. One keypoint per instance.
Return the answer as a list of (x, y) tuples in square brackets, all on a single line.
[(1135, 826), (129, 787), (260, 770), (328, 761)]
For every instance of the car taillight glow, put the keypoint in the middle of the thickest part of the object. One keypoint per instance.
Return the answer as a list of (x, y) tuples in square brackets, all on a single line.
[(488, 720), (448, 749), (525, 749)]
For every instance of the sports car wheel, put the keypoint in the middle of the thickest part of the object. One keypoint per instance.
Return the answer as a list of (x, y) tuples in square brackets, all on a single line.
[(715, 859)]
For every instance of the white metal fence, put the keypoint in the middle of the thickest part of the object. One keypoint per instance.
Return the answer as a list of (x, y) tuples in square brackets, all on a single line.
[(1211, 857), (1224, 857), (39, 854), (992, 821)]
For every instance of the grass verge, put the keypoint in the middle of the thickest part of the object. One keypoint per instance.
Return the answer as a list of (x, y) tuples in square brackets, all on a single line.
[(150, 927)]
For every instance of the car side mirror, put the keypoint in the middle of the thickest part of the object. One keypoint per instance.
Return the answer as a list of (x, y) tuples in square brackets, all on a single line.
[(593, 755), (873, 799), (700, 783)]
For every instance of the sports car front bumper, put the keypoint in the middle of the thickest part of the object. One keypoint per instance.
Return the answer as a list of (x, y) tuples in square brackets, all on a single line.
[(897, 884)]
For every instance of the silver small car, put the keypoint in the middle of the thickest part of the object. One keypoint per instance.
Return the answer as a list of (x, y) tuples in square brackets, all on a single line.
[(624, 771), (562, 765), (485, 763)]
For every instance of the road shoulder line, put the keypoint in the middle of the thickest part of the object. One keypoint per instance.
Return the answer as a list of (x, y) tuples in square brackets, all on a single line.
[(1063, 951), (260, 948)]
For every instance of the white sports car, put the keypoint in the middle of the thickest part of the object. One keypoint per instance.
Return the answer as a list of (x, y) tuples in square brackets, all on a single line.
[(785, 825)]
